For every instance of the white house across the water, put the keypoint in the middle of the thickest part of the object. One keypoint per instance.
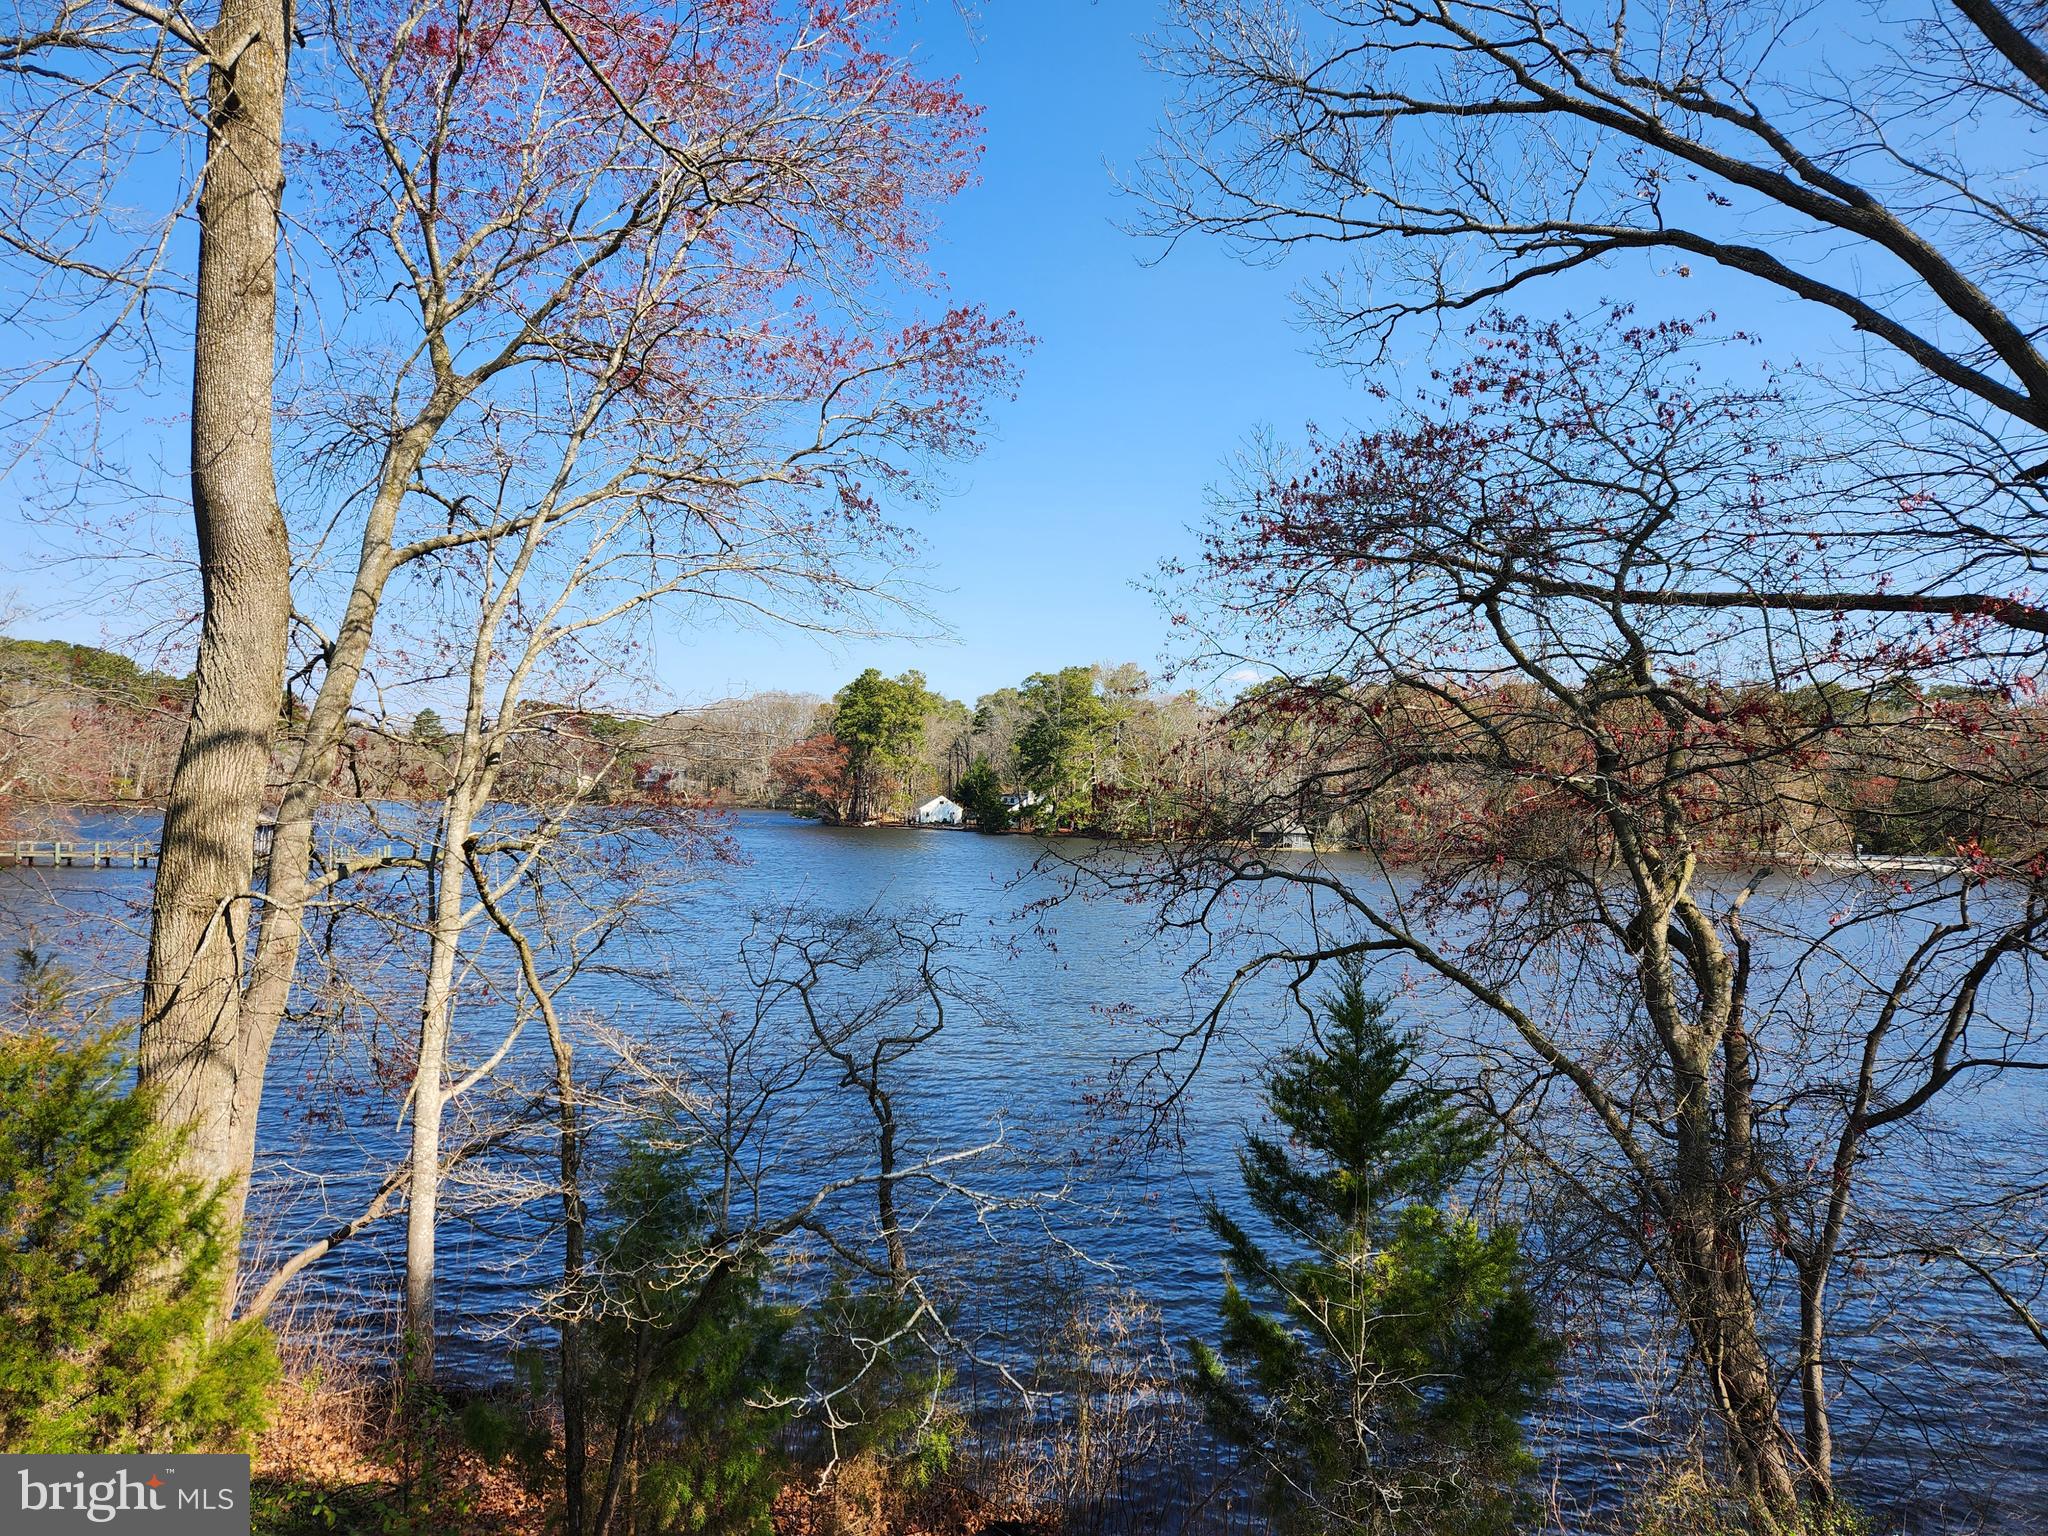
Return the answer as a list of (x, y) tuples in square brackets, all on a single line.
[(939, 812)]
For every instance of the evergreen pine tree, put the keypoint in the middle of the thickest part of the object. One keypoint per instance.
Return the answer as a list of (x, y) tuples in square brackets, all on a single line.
[(980, 793), (112, 1263), (689, 1353), (1378, 1359)]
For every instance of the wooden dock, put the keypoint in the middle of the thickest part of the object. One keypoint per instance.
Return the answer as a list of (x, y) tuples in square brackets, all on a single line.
[(27, 854), (141, 853)]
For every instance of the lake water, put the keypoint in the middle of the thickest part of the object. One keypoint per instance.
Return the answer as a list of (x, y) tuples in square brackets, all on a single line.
[(1944, 1408)]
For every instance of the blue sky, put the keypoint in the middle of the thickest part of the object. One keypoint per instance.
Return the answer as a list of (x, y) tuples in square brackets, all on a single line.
[(1147, 375), (1143, 378)]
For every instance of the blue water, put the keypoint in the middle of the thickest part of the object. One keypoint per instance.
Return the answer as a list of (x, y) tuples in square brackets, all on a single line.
[(1943, 1408)]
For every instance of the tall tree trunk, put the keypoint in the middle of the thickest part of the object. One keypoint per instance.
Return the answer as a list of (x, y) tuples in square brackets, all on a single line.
[(1710, 1246), (570, 1150), (885, 1186), (1755, 1432), (287, 866), (429, 1092), (189, 1047), (627, 1421), (1718, 1307), (423, 1191), (1816, 1426)]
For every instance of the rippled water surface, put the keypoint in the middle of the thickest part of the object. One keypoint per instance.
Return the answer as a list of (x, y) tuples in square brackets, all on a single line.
[(1956, 1442)]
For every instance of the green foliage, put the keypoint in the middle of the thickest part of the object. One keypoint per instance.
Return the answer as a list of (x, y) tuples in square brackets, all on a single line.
[(614, 730), (1379, 1373), (1065, 742), (981, 793), (107, 674), (887, 1388), (501, 1430), (294, 1507), (880, 722), (712, 1357), (111, 1269), (427, 729), (881, 714)]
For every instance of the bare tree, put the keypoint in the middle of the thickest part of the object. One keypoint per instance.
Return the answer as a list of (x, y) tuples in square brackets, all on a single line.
[(871, 993), (790, 1088), (560, 915), (717, 312), (722, 750), (1473, 151), (1578, 804), (608, 538), (1470, 152)]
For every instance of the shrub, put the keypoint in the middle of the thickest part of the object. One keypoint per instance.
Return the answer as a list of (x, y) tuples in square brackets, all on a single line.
[(887, 1387), (687, 1353), (111, 1267)]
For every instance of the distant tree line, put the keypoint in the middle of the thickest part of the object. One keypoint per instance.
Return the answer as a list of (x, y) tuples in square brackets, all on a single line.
[(1098, 749), (82, 724), (1080, 748)]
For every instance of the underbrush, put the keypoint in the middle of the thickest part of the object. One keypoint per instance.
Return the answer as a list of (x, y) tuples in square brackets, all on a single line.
[(332, 1461)]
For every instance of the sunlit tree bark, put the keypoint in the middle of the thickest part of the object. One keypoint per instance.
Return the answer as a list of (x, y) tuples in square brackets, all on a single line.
[(163, 76)]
